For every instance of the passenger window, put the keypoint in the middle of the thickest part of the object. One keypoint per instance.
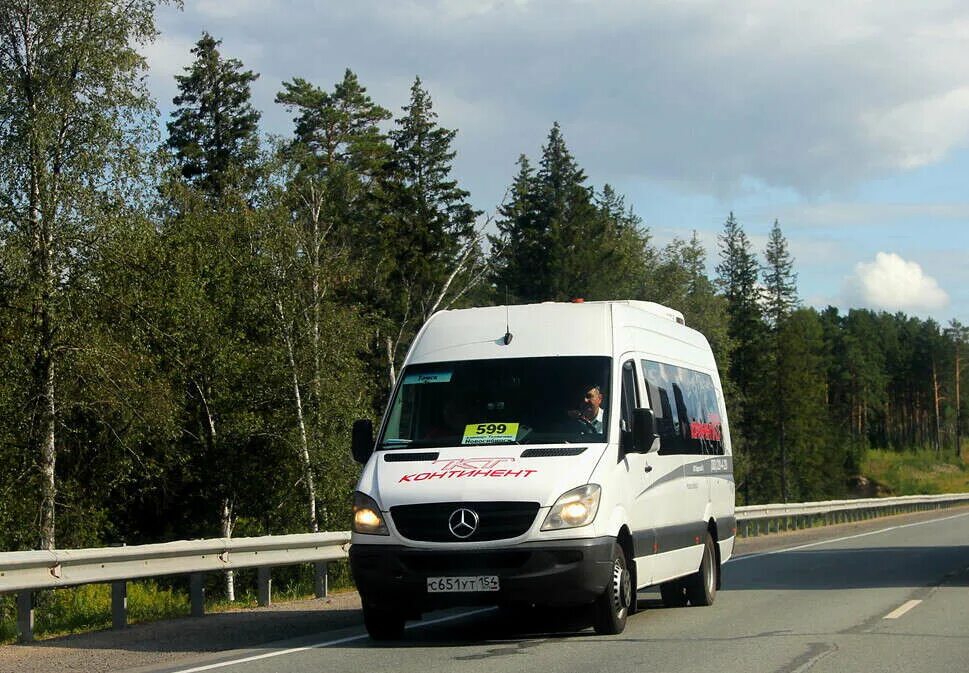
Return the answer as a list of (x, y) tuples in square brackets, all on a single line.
[(684, 403)]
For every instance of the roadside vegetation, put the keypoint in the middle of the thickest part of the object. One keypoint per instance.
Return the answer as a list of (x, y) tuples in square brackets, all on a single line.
[(922, 472)]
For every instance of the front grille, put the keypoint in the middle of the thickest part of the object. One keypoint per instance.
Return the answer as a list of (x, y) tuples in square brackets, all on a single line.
[(496, 520), (556, 452)]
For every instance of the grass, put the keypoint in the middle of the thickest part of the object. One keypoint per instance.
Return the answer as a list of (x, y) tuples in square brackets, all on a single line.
[(917, 472), (85, 608)]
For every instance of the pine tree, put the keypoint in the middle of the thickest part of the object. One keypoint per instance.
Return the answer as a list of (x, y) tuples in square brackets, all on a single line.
[(325, 235), (214, 129)]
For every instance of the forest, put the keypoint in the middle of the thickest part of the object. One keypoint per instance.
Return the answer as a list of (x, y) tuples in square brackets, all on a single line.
[(193, 312)]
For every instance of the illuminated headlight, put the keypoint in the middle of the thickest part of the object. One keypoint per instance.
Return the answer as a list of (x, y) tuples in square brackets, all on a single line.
[(574, 508), (366, 516)]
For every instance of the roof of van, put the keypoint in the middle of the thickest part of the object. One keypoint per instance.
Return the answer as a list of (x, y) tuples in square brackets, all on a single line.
[(549, 328)]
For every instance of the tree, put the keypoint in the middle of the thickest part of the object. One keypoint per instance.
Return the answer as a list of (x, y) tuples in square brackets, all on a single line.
[(737, 275), (560, 240), (813, 458), (780, 281), (428, 228), (680, 280), (959, 334), (780, 298), (214, 130), (73, 122), (319, 250), (212, 248), (519, 269)]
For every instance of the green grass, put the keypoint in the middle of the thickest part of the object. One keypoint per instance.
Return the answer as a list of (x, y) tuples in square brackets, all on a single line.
[(916, 472)]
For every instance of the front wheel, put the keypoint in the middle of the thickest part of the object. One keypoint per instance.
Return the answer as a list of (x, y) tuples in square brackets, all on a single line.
[(701, 586), (383, 623), (611, 609)]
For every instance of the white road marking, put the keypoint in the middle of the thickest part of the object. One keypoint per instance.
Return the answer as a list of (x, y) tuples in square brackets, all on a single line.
[(901, 610), (747, 557), (325, 643)]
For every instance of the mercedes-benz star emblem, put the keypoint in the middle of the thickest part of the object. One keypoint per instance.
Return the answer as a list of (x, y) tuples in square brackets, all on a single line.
[(463, 523)]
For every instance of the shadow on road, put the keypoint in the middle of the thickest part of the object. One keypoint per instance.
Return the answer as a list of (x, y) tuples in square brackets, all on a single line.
[(835, 569)]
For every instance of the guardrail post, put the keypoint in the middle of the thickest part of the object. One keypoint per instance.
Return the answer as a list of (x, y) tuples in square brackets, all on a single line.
[(264, 587), (25, 617), (320, 584), (119, 604), (197, 591)]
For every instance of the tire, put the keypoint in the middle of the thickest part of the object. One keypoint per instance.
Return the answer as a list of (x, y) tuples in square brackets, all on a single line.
[(610, 610), (383, 623), (701, 586), (673, 593)]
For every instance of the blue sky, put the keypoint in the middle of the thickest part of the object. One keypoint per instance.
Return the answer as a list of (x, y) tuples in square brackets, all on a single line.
[(848, 122)]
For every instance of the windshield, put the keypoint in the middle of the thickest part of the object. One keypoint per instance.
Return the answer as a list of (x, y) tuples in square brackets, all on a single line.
[(513, 401)]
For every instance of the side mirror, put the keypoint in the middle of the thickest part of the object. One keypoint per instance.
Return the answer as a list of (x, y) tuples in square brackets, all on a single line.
[(644, 430), (361, 443)]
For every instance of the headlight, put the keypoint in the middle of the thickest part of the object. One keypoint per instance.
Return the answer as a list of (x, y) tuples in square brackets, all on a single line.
[(574, 508), (366, 516)]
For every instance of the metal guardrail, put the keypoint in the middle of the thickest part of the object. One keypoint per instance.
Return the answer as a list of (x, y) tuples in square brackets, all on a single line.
[(23, 572), (763, 519), (28, 571)]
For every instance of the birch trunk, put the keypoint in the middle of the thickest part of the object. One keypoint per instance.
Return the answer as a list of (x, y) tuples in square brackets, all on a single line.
[(304, 449), (230, 584), (225, 510)]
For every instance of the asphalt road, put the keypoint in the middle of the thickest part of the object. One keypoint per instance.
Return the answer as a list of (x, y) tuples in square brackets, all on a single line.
[(892, 598)]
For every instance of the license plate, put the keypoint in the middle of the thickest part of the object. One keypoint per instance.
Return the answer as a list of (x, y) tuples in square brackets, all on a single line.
[(438, 585)]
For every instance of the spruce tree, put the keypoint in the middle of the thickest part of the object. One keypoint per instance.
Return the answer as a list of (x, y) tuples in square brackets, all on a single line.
[(522, 261), (737, 275), (431, 223), (780, 281), (780, 298), (560, 240), (430, 248), (214, 128)]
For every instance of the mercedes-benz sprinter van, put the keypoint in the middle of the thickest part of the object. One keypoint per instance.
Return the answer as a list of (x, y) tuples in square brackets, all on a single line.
[(548, 454)]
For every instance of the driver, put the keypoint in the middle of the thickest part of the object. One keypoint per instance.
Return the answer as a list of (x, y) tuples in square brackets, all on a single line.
[(590, 410)]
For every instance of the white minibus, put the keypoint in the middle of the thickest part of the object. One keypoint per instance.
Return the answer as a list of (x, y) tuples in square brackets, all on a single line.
[(545, 455)]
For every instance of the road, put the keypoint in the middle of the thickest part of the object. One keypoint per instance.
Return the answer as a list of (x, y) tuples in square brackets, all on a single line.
[(892, 599), (886, 595)]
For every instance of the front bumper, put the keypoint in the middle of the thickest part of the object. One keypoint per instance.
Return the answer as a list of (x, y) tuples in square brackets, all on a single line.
[(566, 572)]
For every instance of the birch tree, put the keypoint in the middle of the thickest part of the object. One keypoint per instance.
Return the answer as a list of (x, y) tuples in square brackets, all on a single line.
[(73, 119)]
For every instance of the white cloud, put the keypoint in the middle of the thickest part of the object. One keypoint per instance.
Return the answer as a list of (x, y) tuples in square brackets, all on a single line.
[(894, 284), (711, 96)]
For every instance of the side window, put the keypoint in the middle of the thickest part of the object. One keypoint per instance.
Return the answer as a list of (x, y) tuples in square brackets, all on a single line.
[(630, 396), (684, 403)]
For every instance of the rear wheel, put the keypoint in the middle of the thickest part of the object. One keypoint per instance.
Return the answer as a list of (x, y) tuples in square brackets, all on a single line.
[(612, 607), (383, 623), (701, 586)]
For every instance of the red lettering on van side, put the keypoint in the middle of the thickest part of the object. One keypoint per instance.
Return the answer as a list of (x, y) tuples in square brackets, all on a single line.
[(707, 431)]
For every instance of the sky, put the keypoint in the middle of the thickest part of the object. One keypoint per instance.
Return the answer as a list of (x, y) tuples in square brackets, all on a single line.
[(847, 122)]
